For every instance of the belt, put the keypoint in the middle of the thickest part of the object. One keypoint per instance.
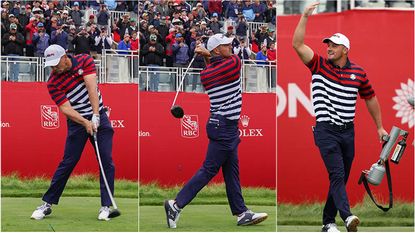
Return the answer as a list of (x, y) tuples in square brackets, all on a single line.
[(333, 126), (223, 119)]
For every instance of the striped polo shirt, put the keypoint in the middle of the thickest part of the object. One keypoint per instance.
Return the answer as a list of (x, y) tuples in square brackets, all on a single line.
[(334, 90), (70, 86), (221, 80)]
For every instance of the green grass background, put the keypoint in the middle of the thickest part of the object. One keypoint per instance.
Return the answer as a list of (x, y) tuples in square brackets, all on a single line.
[(77, 210), (209, 211)]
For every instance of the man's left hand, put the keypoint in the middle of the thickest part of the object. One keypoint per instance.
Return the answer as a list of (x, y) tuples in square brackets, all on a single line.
[(95, 122), (381, 133)]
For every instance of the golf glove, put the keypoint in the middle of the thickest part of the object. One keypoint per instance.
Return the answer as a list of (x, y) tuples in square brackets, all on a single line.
[(95, 121)]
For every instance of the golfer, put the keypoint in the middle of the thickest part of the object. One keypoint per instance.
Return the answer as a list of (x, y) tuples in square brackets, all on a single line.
[(336, 83), (221, 80), (73, 87)]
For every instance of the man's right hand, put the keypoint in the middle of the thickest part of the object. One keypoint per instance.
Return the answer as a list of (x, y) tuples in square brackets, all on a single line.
[(309, 9), (89, 127), (200, 49)]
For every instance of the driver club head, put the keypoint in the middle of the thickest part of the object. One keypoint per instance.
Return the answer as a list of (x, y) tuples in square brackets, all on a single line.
[(177, 111), (114, 213)]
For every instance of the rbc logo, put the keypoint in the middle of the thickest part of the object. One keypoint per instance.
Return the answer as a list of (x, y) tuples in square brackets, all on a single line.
[(190, 126), (49, 116)]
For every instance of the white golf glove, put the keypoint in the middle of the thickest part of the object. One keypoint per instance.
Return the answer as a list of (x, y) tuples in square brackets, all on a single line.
[(95, 121)]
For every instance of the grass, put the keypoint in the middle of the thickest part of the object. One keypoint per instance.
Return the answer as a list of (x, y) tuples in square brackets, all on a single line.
[(86, 185), (308, 217), (361, 229), (154, 194), (203, 218), (77, 209), (209, 211), (72, 214)]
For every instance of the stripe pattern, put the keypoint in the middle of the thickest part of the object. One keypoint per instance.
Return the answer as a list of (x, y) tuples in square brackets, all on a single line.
[(221, 80), (70, 86), (335, 90)]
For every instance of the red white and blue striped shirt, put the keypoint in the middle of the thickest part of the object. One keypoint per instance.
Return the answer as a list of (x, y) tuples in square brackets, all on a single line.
[(70, 86), (334, 90), (221, 80)]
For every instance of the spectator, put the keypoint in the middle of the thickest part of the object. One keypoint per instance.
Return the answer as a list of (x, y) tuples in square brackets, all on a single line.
[(163, 29), (23, 18), (103, 17), (241, 26), (123, 24), (262, 55), (270, 38), (153, 57), (16, 9), (259, 10), (40, 40), (13, 43), (125, 44), (65, 17), (13, 19), (132, 27), (200, 12), (71, 37), (261, 34), (102, 41), (232, 10), (229, 33), (180, 51), (162, 8), (272, 58), (83, 42), (170, 41), (214, 24), (215, 6), (248, 11), (135, 42), (60, 37), (199, 61), (31, 28), (76, 14), (91, 20), (242, 50)]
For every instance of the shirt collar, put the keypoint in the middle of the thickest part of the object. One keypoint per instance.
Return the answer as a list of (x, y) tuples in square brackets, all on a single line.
[(347, 65)]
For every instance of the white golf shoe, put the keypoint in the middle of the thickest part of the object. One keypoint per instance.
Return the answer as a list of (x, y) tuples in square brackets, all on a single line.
[(250, 218), (331, 227), (172, 213), (104, 212), (42, 211), (351, 223)]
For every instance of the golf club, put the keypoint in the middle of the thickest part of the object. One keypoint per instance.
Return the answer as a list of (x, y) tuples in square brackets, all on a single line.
[(115, 212), (176, 110)]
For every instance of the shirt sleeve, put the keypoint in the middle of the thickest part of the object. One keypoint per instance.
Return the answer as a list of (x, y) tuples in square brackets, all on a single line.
[(88, 66), (314, 64), (365, 90), (57, 95)]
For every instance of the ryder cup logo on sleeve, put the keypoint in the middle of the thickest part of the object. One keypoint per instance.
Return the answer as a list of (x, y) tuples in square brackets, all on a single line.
[(190, 126), (49, 115)]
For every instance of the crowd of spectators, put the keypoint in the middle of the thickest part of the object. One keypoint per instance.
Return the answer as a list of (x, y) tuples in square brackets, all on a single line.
[(29, 27), (170, 30)]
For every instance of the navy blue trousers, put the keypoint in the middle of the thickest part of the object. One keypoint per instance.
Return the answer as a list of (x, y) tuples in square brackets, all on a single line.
[(75, 143), (222, 152), (337, 151)]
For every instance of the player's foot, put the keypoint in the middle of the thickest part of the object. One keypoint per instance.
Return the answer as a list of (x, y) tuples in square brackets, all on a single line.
[(172, 213), (42, 211), (250, 218), (351, 223), (104, 212), (331, 227)]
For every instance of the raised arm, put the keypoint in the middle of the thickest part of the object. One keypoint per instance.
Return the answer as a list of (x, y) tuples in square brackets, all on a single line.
[(304, 52)]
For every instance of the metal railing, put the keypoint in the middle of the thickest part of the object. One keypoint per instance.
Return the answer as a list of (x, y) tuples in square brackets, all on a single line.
[(21, 69), (119, 66), (256, 77)]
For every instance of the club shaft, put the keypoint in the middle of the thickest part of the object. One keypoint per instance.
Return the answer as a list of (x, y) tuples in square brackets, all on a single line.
[(181, 81), (103, 173)]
